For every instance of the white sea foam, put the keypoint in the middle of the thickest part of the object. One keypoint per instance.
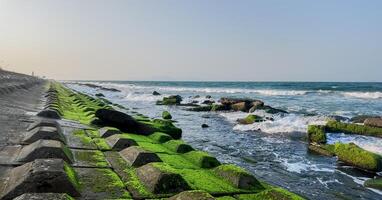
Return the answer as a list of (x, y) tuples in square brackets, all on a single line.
[(280, 124), (299, 165), (364, 95), (369, 143)]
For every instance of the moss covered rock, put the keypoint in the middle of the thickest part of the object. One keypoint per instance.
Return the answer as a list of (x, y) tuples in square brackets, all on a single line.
[(238, 177), (316, 134), (166, 115), (250, 119), (358, 157), (334, 126), (270, 194), (170, 100)]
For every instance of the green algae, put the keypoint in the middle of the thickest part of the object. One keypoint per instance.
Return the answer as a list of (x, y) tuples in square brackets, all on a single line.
[(250, 119), (166, 115), (164, 126), (178, 146), (202, 159), (358, 157), (72, 175), (160, 137), (91, 157), (177, 161), (153, 147), (233, 169), (93, 133), (334, 126), (101, 144), (111, 183), (225, 198), (81, 134), (270, 194), (139, 138), (316, 134), (134, 182)]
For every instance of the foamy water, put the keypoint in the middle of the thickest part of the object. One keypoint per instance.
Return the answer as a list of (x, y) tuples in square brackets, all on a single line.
[(369, 143)]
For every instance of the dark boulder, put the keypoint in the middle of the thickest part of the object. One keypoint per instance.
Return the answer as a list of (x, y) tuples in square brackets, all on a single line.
[(155, 93), (170, 100), (208, 102), (375, 122), (99, 95), (116, 119), (361, 118), (205, 126)]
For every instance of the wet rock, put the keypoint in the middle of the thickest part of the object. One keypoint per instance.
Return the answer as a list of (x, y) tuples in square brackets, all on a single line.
[(49, 113), (361, 118), (119, 142), (192, 195), (250, 119), (208, 102), (99, 95), (316, 134), (271, 110), (166, 115), (238, 177), (205, 126), (155, 93), (375, 183), (41, 176), (44, 196), (375, 122), (208, 97), (42, 149), (160, 181), (137, 157), (108, 131), (170, 100), (201, 108), (116, 119), (44, 132), (196, 96), (326, 150), (257, 104), (338, 118)]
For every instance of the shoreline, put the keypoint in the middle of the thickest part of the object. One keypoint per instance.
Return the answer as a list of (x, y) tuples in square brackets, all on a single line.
[(88, 162)]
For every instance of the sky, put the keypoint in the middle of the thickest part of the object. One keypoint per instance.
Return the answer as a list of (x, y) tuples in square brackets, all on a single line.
[(197, 40)]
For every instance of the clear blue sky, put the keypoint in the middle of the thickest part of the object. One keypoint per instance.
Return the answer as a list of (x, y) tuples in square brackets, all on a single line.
[(267, 40)]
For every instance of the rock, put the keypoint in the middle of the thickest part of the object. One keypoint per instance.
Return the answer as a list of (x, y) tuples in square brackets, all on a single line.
[(205, 126), (201, 108), (99, 95), (271, 110), (116, 119), (166, 115), (155, 93), (361, 118), (208, 102), (193, 195), (375, 122), (316, 134), (202, 159), (256, 105), (250, 119), (196, 96), (108, 131), (42, 149), (171, 100), (326, 150), (160, 181), (44, 132), (340, 127), (137, 157), (358, 157), (208, 97), (219, 107), (120, 141), (49, 113), (238, 177), (41, 176), (44, 196), (338, 118), (178, 146)]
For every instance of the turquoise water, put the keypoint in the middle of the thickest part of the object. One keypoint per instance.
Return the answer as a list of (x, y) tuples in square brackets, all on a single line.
[(274, 151)]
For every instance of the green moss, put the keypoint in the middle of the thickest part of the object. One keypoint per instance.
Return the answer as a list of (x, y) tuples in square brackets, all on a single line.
[(270, 194), (153, 147), (218, 107), (334, 126), (225, 198), (316, 134), (170, 100), (139, 138), (201, 108), (201, 179), (164, 126), (101, 144), (250, 119), (202, 159), (233, 169), (91, 157), (81, 134), (178, 146), (134, 182), (177, 161), (72, 175), (374, 183), (160, 137), (93, 133), (358, 157), (166, 115)]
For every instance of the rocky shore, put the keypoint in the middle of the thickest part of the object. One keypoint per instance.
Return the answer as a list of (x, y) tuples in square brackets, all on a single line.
[(60, 144)]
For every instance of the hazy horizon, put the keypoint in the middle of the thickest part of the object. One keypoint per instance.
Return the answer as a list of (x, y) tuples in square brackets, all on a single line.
[(197, 40)]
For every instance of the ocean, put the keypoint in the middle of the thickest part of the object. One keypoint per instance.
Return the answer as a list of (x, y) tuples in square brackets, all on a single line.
[(275, 151)]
